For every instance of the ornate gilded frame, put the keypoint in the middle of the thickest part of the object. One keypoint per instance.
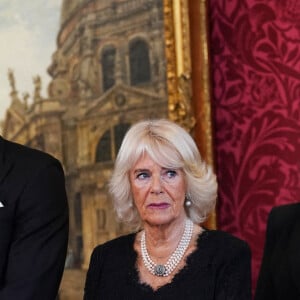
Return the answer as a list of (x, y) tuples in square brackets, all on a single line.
[(177, 41), (188, 79)]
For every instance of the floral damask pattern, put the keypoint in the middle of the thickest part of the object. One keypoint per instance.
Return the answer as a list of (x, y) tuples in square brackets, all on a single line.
[(255, 56)]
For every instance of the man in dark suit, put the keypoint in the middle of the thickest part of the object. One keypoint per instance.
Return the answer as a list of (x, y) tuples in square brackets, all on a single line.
[(279, 276), (33, 223)]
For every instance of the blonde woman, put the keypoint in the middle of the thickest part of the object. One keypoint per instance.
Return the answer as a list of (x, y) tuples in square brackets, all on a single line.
[(164, 190)]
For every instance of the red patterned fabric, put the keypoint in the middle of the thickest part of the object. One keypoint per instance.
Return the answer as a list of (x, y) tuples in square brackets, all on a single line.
[(255, 56)]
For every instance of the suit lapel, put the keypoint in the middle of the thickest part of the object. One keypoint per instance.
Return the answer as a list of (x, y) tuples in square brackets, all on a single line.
[(5, 211), (5, 166)]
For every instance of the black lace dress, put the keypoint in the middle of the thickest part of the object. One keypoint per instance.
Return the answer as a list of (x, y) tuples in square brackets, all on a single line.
[(218, 269)]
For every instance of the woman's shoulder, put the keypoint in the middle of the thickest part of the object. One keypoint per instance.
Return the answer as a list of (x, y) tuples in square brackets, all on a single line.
[(216, 249), (118, 244), (224, 241)]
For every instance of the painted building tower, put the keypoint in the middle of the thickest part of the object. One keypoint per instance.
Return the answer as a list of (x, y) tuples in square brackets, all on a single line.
[(108, 72)]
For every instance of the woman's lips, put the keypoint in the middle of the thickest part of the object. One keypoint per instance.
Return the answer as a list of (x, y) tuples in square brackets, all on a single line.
[(162, 205)]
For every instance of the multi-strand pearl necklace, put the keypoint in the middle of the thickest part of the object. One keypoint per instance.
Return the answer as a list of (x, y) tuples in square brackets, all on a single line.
[(174, 259)]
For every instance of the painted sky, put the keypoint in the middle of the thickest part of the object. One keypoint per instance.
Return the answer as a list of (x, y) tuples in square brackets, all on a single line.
[(28, 31)]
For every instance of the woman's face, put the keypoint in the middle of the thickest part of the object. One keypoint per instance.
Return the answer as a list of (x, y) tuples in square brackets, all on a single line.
[(158, 192)]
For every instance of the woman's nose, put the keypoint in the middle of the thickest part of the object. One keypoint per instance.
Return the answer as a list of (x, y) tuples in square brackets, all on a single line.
[(156, 184)]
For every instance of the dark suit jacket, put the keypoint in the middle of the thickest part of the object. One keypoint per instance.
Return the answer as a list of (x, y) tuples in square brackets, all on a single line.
[(279, 276), (33, 223)]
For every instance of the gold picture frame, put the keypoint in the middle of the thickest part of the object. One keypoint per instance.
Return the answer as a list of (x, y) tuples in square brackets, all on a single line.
[(188, 73), (178, 71)]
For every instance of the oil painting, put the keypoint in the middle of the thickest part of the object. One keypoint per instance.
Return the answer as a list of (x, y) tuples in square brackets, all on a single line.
[(113, 63)]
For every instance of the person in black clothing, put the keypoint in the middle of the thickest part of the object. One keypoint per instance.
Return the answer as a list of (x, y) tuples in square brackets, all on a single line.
[(33, 223), (163, 189), (279, 276)]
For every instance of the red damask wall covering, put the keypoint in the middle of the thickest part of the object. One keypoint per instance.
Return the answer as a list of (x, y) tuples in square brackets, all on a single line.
[(255, 57)]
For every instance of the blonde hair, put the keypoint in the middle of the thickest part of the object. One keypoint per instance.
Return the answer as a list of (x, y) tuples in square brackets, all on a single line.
[(170, 146)]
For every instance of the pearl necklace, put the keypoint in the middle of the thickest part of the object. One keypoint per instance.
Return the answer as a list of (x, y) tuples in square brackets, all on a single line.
[(174, 259)]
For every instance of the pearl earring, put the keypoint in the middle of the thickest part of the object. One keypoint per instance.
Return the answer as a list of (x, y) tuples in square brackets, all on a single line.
[(187, 202)]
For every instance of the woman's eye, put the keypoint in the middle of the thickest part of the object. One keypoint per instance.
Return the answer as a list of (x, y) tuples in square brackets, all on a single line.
[(142, 175), (171, 173)]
